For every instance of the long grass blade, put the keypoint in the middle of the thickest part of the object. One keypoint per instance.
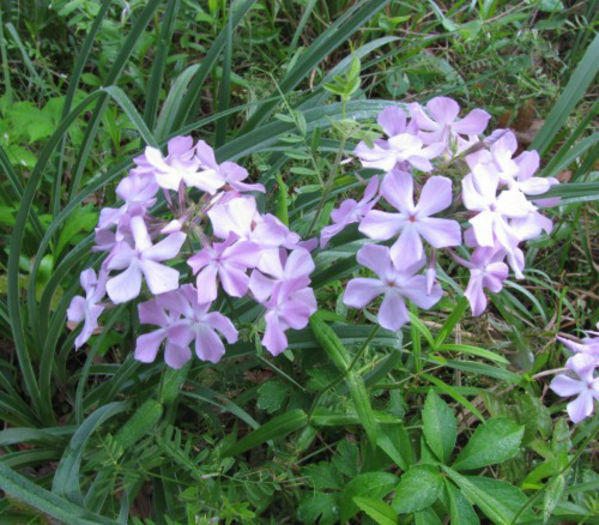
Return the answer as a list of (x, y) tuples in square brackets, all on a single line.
[(579, 82)]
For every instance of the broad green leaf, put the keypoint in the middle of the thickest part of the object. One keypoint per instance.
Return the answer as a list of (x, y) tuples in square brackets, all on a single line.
[(439, 426), (498, 500), (395, 442), (323, 475), (427, 517), (493, 442), (370, 485), (460, 510), (380, 512), (418, 489), (318, 507), (272, 395)]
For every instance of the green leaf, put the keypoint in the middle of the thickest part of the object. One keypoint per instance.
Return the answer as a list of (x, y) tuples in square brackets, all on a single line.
[(66, 477), (473, 350), (329, 341), (322, 475), (277, 427), (361, 400), (380, 512), (553, 494), (369, 484), (498, 500), (460, 510), (318, 504), (272, 395), (454, 318), (81, 220), (439, 426), (493, 442), (418, 489), (24, 490), (395, 442), (577, 86)]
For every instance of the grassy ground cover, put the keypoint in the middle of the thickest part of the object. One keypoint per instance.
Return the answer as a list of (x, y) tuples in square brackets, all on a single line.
[(450, 419)]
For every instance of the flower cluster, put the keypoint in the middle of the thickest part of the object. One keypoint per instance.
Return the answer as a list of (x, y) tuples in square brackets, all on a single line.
[(229, 245), (425, 150), (581, 381)]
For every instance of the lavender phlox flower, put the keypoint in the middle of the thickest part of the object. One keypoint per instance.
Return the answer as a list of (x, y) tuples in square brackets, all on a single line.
[(87, 308), (479, 194), (229, 260), (350, 211), (181, 165), (586, 387), (587, 345), (231, 173), (290, 306), (531, 226), (271, 235), (413, 221), (396, 283), (498, 157), (400, 151), (199, 325), (236, 215), (287, 271), (394, 121), (438, 122), (157, 312), (487, 270), (142, 258)]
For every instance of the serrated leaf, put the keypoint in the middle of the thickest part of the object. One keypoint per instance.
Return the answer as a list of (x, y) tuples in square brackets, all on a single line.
[(418, 489), (439, 426), (272, 395), (319, 508), (322, 476), (493, 442)]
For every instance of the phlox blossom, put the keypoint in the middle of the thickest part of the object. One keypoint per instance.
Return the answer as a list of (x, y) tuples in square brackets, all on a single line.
[(142, 259), (396, 283), (88, 308), (413, 221), (586, 387)]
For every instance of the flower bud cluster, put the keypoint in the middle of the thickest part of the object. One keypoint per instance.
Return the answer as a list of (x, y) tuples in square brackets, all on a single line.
[(216, 228), (489, 218)]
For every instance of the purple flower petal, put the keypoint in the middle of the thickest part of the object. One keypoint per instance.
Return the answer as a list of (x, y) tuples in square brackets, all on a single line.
[(381, 225), (160, 278), (208, 346), (581, 407), (176, 356), (361, 291), (444, 109), (435, 197), (474, 123), (207, 285), (167, 248), (147, 345), (393, 313), (125, 286)]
